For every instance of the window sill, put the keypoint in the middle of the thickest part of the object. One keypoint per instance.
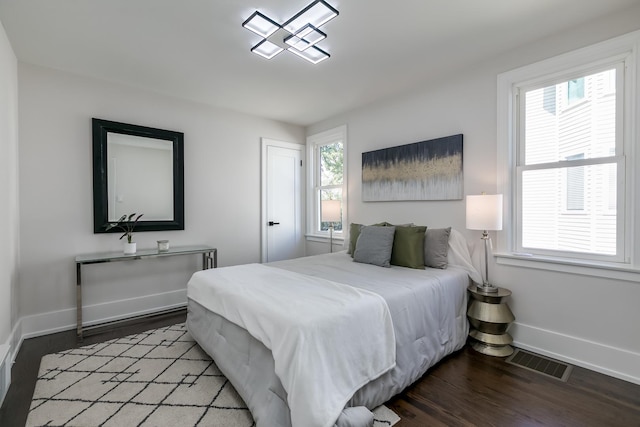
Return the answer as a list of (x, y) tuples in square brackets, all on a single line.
[(585, 268), (323, 238)]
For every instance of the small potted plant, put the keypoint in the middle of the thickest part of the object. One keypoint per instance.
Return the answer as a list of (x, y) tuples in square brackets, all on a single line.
[(127, 224)]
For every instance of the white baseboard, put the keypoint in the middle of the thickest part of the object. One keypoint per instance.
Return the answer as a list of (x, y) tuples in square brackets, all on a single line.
[(612, 361), (8, 354), (5, 370), (63, 320)]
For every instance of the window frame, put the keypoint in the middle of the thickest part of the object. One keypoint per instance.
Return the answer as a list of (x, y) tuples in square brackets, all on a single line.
[(314, 141), (577, 71), (624, 48)]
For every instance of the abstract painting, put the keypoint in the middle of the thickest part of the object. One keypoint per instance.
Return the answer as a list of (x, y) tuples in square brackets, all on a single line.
[(427, 170)]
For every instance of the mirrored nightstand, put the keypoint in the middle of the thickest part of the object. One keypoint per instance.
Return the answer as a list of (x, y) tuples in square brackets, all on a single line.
[(490, 317)]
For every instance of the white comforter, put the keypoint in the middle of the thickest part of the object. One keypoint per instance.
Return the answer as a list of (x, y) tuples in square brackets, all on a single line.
[(327, 342)]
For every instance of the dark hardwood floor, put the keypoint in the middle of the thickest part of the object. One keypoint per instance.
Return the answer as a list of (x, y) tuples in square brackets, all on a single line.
[(465, 389), (471, 389)]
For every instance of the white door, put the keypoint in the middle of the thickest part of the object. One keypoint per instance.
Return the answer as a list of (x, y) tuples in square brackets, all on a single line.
[(282, 201)]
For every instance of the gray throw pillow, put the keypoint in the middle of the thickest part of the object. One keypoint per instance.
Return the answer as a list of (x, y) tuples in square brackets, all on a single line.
[(436, 247), (354, 232), (374, 245)]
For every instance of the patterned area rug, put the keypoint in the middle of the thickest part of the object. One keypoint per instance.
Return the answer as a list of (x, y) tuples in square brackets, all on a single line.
[(157, 378)]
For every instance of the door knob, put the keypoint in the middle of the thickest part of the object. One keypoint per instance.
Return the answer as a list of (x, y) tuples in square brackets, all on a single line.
[(271, 223)]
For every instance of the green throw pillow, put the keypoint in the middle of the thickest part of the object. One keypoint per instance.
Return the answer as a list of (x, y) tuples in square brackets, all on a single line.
[(354, 232), (408, 247)]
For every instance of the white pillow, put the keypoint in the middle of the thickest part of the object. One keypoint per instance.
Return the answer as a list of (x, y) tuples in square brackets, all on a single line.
[(460, 256)]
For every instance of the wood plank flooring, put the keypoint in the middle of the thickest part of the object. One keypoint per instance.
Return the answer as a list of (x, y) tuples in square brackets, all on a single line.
[(471, 389), (465, 389)]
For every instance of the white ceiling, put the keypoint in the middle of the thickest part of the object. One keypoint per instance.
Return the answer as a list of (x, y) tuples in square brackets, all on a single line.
[(198, 50)]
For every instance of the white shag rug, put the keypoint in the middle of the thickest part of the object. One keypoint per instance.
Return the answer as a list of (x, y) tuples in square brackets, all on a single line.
[(157, 378)]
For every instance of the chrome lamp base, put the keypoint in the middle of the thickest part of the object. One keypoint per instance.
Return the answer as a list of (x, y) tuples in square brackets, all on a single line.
[(486, 285), (331, 238), (487, 288)]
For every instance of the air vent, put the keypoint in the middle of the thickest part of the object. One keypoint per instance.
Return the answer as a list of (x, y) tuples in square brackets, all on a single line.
[(542, 365)]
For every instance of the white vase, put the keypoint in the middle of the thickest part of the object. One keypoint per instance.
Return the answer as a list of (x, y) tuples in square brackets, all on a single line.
[(130, 248)]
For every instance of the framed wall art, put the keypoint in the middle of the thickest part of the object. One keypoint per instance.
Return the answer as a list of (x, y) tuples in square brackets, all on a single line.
[(427, 170)]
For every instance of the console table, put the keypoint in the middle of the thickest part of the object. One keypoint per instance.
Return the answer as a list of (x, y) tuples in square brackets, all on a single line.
[(209, 260)]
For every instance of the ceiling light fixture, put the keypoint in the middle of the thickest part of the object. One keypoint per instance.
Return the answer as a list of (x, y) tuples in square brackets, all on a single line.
[(266, 49), (299, 35), (305, 38)]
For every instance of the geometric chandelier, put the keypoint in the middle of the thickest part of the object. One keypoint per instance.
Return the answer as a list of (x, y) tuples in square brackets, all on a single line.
[(299, 35)]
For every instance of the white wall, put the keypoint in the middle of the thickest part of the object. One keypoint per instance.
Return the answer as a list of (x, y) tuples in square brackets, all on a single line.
[(9, 246), (588, 321), (222, 196)]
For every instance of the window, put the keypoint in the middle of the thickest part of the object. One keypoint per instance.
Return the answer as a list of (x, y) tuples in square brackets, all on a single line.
[(565, 164), (555, 184), (575, 90), (326, 178)]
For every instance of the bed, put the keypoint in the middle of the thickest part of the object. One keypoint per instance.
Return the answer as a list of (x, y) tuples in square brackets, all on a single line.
[(427, 310)]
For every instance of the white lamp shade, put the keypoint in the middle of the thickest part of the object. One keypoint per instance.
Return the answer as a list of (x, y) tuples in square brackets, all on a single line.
[(331, 211), (484, 212)]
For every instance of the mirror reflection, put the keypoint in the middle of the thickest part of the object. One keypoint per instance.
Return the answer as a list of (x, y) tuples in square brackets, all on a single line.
[(139, 177)]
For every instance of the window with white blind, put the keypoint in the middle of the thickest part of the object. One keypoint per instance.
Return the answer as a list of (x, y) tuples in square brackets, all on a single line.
[(569, 146), (564, 155)]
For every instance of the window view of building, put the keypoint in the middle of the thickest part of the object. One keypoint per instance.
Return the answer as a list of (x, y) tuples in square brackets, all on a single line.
[(567, 166), (575, 185), (575, 90)]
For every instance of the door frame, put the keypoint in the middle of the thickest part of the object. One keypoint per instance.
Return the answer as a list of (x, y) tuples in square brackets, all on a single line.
[(268, 142)]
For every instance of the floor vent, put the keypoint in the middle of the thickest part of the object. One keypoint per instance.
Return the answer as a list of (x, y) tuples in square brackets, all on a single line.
[(543, 365)]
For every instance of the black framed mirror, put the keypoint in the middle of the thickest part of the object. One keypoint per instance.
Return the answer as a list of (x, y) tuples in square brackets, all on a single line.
[(137, 169)]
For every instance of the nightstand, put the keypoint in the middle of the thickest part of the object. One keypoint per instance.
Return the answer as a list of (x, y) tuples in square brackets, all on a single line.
[(490, 316)]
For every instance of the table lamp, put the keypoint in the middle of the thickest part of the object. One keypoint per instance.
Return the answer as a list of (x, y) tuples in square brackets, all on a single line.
[(331, 213), (484, 212)]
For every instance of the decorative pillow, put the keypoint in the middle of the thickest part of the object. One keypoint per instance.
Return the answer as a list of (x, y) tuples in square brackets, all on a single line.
[(408, 247), (436, 247), (354, 232), (374, 245)]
